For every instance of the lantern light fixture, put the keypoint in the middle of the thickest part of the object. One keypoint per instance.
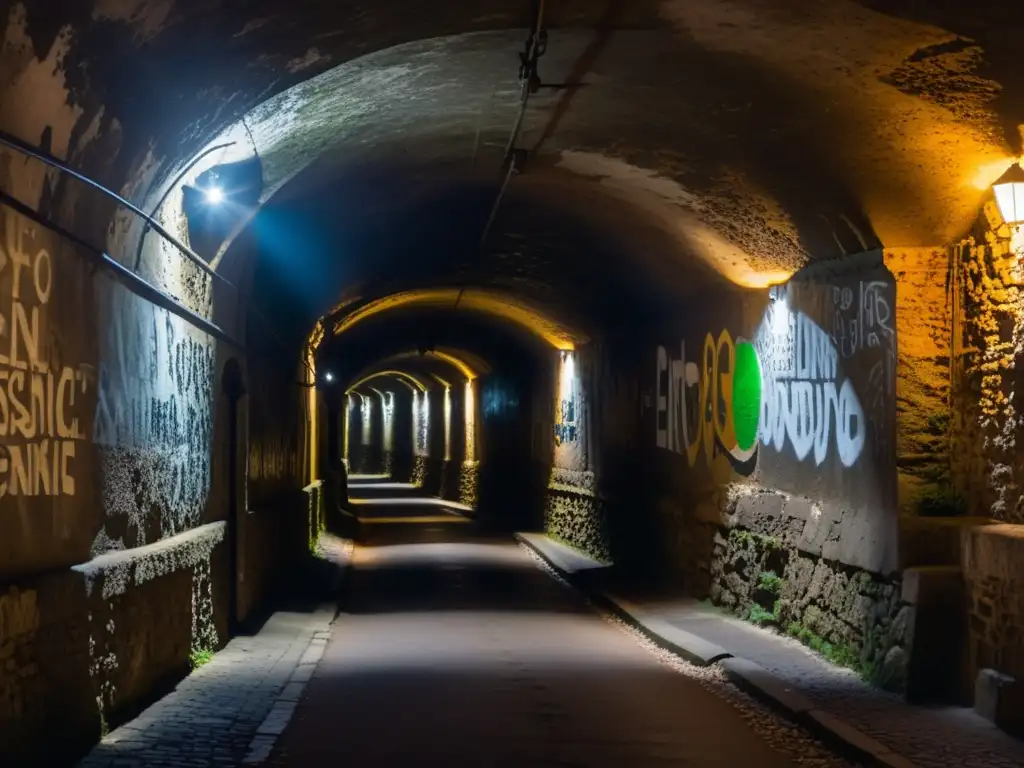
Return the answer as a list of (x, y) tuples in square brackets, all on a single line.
[(1009, 191)]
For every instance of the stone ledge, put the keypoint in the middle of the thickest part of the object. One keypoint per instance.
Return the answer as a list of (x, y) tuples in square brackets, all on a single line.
[(141, 564), (762, 684), (745, 674)]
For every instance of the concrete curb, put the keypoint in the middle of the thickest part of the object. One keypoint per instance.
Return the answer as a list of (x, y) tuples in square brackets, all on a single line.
[(332, 550), (281, 712), (746, 675)]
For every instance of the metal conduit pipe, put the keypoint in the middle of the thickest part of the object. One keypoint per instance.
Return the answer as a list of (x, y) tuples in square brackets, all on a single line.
[(527, 71), (27, 149), (125, 276)]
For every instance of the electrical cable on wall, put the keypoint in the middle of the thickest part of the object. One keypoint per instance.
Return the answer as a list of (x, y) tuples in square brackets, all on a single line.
[(529, 82)]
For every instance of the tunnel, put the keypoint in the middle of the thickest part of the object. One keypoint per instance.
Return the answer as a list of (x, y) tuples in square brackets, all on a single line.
[(711, 310)]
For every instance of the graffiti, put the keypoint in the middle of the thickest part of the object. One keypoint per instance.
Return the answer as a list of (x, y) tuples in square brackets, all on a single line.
[(42, 403), (566, 428), (784, 388), (567, 404), (154, 416), (805, 394), (712, 409), (863, 318)]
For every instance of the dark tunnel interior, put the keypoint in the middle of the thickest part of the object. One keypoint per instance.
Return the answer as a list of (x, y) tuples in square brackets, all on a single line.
[(329, 332)]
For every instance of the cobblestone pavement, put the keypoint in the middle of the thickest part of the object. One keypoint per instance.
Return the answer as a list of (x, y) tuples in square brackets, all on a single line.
[(459, 651), (212, 715), (932, 737)]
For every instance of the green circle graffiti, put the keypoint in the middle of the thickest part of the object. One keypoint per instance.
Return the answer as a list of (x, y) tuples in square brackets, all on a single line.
[(746, 395)]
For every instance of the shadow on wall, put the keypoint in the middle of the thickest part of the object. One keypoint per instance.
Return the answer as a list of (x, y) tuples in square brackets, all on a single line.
[(514, 465)]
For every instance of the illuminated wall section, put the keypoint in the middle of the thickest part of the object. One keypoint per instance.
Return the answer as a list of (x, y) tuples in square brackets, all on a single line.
[(570, 443), (420, 422), (366, 413), (469, 414), (387, 404), (349, 407), (447, 423)]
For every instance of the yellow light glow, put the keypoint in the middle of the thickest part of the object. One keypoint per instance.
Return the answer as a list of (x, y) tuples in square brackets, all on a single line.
[(463, 367), (469, 415), (412, 381), (458, 359), (988, 172), (488, 302), (345, 428), (313, 416), (447, 423)]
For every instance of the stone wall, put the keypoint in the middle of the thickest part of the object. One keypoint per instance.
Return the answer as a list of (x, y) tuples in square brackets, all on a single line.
[(469, 479), (45, 658), (923, 320), (993, 569), (105, 638), (768, 567), (574, 513), (987, 470), (109, 635)]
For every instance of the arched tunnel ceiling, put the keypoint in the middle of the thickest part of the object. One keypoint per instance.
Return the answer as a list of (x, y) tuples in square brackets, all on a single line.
[(456, 344), (506, 306), (761, 132)]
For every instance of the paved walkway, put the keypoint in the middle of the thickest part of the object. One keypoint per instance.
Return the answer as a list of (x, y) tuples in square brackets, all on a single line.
[(930, 736), (936, 737), (457, 650), (213, 714)]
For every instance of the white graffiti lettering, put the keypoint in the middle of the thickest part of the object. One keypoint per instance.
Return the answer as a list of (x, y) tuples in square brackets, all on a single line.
[(801, 394)]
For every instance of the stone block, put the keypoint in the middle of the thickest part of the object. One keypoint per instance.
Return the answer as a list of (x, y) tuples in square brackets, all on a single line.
[(999, 698), (934, 633), (753, 511)]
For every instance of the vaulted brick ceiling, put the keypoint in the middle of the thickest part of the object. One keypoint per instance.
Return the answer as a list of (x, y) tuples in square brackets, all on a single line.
[(745, 136)]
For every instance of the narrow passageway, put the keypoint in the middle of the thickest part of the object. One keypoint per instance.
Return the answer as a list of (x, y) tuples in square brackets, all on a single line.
[(455, 648), (706, 312)]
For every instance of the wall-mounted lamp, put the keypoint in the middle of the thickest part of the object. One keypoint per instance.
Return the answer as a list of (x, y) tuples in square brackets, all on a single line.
[(1009, 190), (328, 377)]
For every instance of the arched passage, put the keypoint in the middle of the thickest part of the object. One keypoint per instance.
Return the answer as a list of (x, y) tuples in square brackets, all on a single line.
[(683, 288)]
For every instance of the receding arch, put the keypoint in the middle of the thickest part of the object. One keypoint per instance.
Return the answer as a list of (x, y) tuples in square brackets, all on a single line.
[(414, 382), (498, 304), (442, 381), (468, 365)]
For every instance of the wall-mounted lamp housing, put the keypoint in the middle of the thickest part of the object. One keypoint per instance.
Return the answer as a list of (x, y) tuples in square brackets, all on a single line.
[(1009, 190)]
